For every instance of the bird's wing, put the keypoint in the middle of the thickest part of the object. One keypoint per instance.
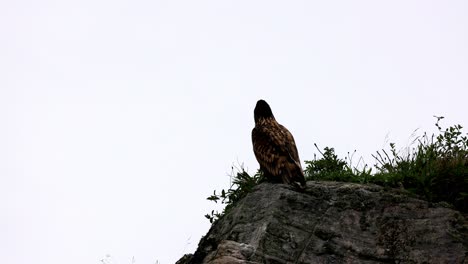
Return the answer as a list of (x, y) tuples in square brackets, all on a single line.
[(276, 151), (269, 146), (290, 145)]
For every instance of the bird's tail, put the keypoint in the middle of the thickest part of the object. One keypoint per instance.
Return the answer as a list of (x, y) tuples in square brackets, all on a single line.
[(294, 176)]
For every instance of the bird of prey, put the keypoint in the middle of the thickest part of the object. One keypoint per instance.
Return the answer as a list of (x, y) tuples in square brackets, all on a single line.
[(275, 149)]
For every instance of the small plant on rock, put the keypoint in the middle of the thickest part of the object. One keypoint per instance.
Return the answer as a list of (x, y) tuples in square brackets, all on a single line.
[(436, 169), (242, 184), (332, 168)]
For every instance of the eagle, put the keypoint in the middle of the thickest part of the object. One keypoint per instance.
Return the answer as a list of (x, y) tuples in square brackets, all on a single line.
[(275, 149)]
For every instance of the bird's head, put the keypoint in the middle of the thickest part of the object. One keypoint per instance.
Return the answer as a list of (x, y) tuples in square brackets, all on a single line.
[(262, 110)]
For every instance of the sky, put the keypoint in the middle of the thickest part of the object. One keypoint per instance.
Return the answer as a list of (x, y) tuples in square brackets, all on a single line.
[(118, 118)]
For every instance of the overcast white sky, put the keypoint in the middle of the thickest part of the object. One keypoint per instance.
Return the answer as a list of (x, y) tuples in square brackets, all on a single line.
[(118, 118)]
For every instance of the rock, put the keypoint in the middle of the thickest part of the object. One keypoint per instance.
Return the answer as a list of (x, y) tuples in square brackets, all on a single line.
[(334, 222)]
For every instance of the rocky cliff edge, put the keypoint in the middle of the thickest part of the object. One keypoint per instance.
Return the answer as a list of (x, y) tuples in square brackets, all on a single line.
[(334, 222)]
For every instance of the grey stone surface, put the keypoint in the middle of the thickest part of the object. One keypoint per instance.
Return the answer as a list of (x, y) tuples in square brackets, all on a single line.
[(334, 222)]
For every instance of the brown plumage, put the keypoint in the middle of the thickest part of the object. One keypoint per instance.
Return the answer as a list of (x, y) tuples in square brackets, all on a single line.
[(275, 149)]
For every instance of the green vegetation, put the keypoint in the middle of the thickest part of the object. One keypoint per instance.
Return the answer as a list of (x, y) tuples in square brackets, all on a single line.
[(435, 169), (242, 184), (332, 168)]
